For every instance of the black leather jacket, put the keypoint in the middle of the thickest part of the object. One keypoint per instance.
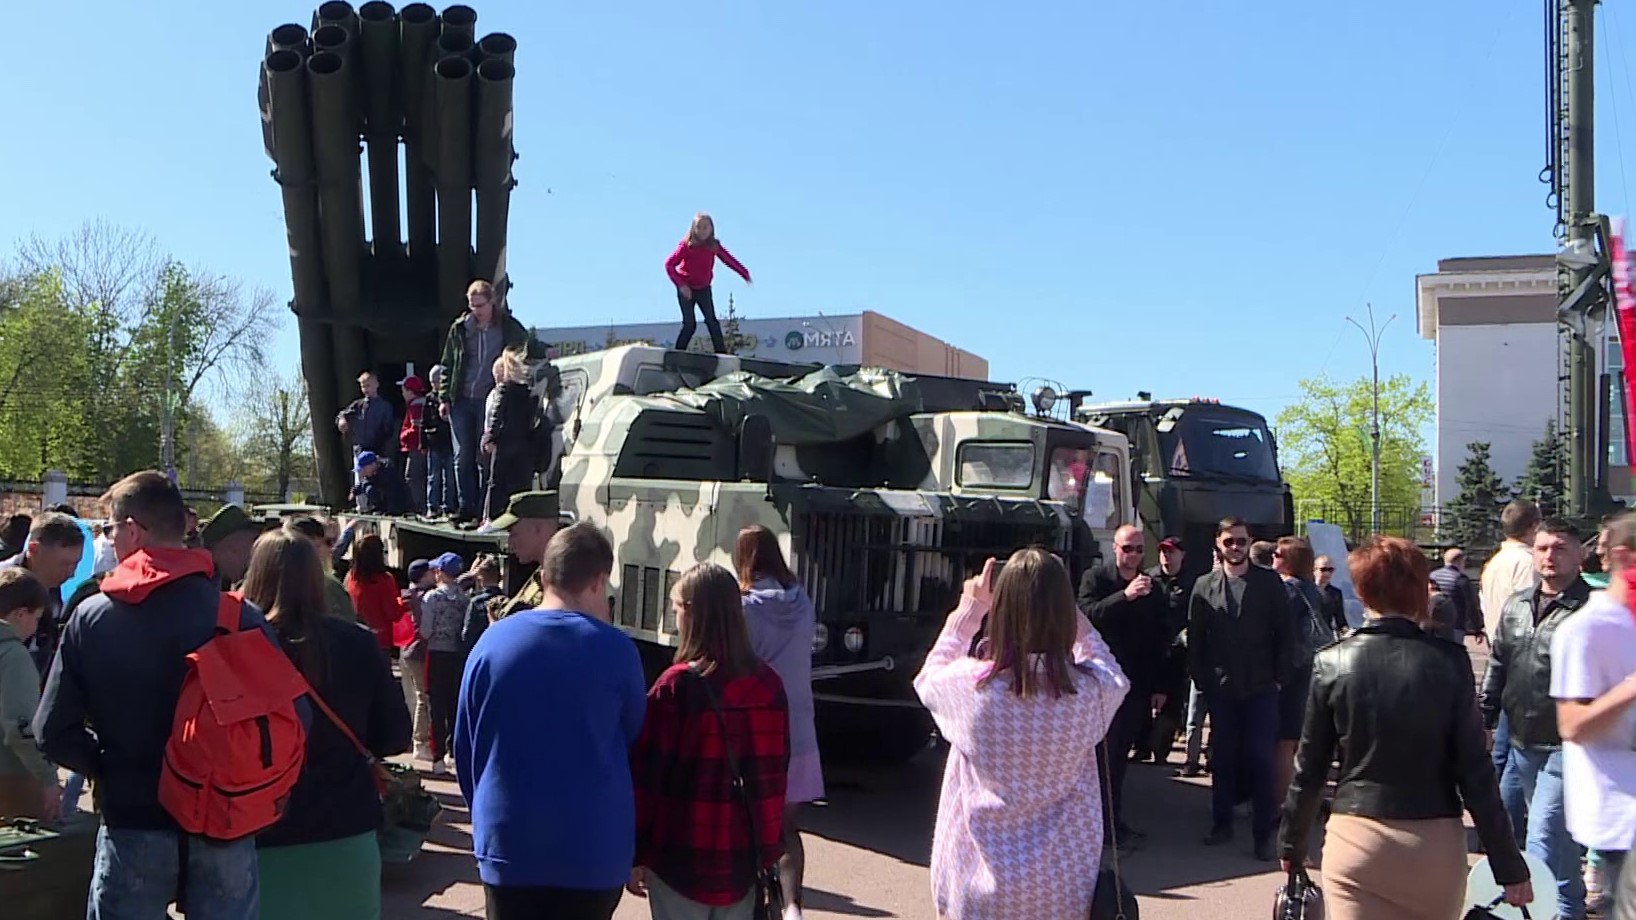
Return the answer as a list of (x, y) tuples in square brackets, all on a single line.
[(1518, 679), (1389, 699)]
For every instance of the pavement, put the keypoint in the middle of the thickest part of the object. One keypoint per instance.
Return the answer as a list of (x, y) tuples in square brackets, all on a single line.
[(869, 846)]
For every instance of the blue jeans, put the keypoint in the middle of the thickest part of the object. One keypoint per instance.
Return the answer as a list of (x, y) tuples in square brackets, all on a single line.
[(442, 494), (1536, 774), (1243, 736), (471, 475), (136, 874), (1512, 797)]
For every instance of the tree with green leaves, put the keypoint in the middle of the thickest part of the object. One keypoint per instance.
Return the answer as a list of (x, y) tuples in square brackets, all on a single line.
[(1472, 518), (116, 336), (274, 435), (1324, 447), (1542, 480)]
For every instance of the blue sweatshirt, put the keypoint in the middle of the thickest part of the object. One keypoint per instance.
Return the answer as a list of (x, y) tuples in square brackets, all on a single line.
[(549, 706)]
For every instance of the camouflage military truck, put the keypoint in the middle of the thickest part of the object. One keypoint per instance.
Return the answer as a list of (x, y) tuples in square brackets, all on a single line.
[(886, 491), (1194, 462)]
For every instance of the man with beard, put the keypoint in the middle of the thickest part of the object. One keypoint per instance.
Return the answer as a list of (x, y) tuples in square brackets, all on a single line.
[(1240, 645)]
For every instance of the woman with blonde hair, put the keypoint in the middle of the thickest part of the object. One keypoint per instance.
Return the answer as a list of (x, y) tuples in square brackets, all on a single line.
[(781, 620), (691, 267), (508, 432), (1398, 707), (1019, 822), (322, 860), (703, 836)]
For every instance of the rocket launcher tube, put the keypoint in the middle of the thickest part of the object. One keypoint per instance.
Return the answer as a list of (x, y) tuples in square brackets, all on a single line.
[(452, 90), (287, 37), (460, 19), (418, 27), (286, 75), (297, 177), (493, 156), (498, 46), (382, 121), (336, 13), (340, 196)]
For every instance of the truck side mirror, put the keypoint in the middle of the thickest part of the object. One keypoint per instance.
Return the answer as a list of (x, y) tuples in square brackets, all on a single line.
[(755, 449)]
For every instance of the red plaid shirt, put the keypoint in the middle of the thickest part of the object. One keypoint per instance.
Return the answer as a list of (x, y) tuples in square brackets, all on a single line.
[(691, 828)]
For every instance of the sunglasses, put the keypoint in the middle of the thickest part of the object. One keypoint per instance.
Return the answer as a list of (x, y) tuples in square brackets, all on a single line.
[(1131, 549), (1326, 568), (1234, 542)]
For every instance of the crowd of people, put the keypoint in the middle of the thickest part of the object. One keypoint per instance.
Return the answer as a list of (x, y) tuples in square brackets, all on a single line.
[(466, 440), (1370, 735)]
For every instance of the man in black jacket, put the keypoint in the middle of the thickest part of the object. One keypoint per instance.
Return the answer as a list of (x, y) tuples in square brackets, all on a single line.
[(1453, 583), (1158, 734), (1518, 683), (1122, 604), (1240, 644)]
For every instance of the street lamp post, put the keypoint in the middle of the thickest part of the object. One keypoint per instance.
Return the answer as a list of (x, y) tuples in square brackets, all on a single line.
[(1372, 336)]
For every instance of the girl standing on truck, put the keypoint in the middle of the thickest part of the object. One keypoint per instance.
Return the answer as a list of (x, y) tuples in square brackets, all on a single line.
[(691, 267)]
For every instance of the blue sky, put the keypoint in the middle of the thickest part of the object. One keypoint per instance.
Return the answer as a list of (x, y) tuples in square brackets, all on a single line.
[(1185, 198)]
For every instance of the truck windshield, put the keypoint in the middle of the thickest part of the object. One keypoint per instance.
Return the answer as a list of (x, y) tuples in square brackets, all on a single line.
[(1217, 443)]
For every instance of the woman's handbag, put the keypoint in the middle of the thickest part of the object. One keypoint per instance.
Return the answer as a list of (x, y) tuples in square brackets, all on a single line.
[(1299, 899), (1487, 913), (407, 810), (769, 887), (1113, 899)]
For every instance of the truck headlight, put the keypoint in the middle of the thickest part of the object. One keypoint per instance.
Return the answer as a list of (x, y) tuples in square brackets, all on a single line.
[(820, 638), (854, 639)]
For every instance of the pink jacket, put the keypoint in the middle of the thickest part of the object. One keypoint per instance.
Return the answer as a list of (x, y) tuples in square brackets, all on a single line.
[(694, 266), (1019, 821)]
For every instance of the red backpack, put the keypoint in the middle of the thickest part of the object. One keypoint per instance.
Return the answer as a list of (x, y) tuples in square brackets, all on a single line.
[(237, 745)]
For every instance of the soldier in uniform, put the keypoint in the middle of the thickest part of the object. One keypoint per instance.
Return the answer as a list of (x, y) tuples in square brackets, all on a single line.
[(531, 519)]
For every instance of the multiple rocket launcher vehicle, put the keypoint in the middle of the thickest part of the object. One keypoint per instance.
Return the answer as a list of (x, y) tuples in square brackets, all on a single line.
[(371, 79)]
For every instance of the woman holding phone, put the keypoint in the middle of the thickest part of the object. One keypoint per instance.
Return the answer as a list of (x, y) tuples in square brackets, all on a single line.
[(1024, 714)]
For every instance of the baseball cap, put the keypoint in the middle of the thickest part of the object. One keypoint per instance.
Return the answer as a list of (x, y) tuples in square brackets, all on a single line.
[(1170, 543), (364, 459), (449, 564), (418, 569), (527, 506), (413, 383)]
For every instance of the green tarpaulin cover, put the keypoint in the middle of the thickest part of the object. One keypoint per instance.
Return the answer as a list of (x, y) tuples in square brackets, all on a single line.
[(821, 408)]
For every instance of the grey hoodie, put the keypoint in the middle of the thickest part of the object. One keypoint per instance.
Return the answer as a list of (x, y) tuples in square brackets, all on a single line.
[(782, 623)]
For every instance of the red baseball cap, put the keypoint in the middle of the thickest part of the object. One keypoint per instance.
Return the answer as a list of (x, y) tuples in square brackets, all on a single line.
[(1170, 543), (413, 383)]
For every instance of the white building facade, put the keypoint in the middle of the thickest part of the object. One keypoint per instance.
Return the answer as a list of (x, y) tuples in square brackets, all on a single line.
[(1498, 360)]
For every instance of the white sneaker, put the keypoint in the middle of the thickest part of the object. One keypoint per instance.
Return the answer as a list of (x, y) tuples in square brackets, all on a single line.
[(792, 912), (423, 752), (438, 768)]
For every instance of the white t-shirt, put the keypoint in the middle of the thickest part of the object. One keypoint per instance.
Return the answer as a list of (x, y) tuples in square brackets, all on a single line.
[(1592, 651)]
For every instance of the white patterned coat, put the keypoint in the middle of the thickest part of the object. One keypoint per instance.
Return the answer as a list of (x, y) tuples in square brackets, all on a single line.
[(1019, 821)]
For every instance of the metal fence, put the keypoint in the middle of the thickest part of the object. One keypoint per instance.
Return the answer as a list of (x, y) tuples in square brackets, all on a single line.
[(1410, 521)]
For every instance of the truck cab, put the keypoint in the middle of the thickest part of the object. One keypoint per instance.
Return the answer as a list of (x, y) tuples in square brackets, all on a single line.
[(1194, 462)]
